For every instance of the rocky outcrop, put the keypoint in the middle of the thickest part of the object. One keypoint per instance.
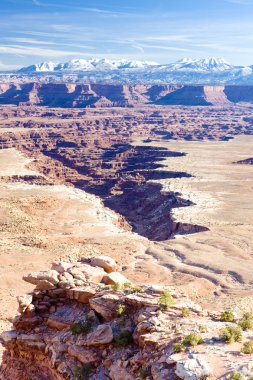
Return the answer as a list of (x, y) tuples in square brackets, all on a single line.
[(105, 95), (118, 333)]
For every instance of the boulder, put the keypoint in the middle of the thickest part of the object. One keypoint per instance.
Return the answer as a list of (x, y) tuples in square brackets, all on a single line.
[(24, 302), (102, 335), (114, 278), (87, 273), (105, 305), (105, 262), (61, 266), (81, 294), (83, 355), (193, 369), (43, 280), (119, 373)]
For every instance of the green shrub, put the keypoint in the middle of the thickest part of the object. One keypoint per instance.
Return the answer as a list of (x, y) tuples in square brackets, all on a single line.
[(143, 373), (246, 323), (227, 316), (192, 339), (117, 287), (236, 376), (84, 372), (124, 338), (82, 327), (165, 300), (185, 312), (178, 347), (231, 334), (248, 347), (121, 309), (136, 289), (127, 285), (202, 328)]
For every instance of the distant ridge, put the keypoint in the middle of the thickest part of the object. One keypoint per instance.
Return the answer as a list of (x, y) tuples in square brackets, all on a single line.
[(208, 71)]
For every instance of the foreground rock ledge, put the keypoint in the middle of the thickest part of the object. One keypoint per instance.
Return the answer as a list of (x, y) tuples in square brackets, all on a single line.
[(74, 326)]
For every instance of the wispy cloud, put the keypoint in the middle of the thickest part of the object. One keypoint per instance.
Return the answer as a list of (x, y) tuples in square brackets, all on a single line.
[(38, 52), (28, 41)]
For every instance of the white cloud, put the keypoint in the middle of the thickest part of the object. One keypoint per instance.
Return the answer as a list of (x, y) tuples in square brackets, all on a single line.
[(37, 51)]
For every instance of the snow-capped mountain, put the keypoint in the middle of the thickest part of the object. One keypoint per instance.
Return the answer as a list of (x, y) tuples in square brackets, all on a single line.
[(201, 65), (185, 71), (88, 65)]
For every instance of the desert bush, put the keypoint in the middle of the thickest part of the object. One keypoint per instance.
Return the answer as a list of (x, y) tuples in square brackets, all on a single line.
[(82, 327), (185, 312), (248, 347), (178, 347), (116, 287), (143, 373), (202, 328), (192, 339), (231, 334), (124, 338), (246, 323), (165, 300), (235, 376), (121, 309), (227, 316), (84, 372)]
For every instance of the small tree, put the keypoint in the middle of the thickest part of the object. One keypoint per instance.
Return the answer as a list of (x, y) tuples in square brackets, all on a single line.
[(165, 300), (236, 376), (178, 347), (185, 312), (84, 372)]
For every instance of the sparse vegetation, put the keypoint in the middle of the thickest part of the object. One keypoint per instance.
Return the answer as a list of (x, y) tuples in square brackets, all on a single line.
[(246, 323), (192, 339), (185, 312), (202, 328), (235, 376), (84, 372), (248, 347), (117, 287), (82, 327), (121, 309), (127, 285), (143, 373), (124, 338), (178, 347), (165, 300), (136, 289), (231, 334), (227, 316)]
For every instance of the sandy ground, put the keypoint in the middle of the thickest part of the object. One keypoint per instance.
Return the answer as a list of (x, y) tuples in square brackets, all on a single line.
[(223, 195)]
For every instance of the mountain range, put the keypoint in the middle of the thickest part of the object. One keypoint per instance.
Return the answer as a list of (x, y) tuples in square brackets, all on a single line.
[(184, 71)]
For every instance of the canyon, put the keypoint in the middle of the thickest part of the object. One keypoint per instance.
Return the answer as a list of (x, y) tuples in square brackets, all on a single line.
[(165, 190)]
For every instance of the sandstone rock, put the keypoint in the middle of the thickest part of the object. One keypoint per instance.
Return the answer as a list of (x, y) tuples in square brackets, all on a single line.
[(105, 305), (81, 294), (119, 373), (102, 335), (24, 302), (105, 262), (193, 369), (114, 278), (61, 266), (43, 280), (83, 355), (87, 273)]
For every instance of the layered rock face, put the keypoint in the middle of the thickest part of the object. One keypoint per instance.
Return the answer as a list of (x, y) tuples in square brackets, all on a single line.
[(72, 95)]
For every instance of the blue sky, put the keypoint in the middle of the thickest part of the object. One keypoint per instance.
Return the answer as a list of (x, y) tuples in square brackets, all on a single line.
[(33, 31)]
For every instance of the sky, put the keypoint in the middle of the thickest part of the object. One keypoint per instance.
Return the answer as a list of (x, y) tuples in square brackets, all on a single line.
[(164, 31)]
